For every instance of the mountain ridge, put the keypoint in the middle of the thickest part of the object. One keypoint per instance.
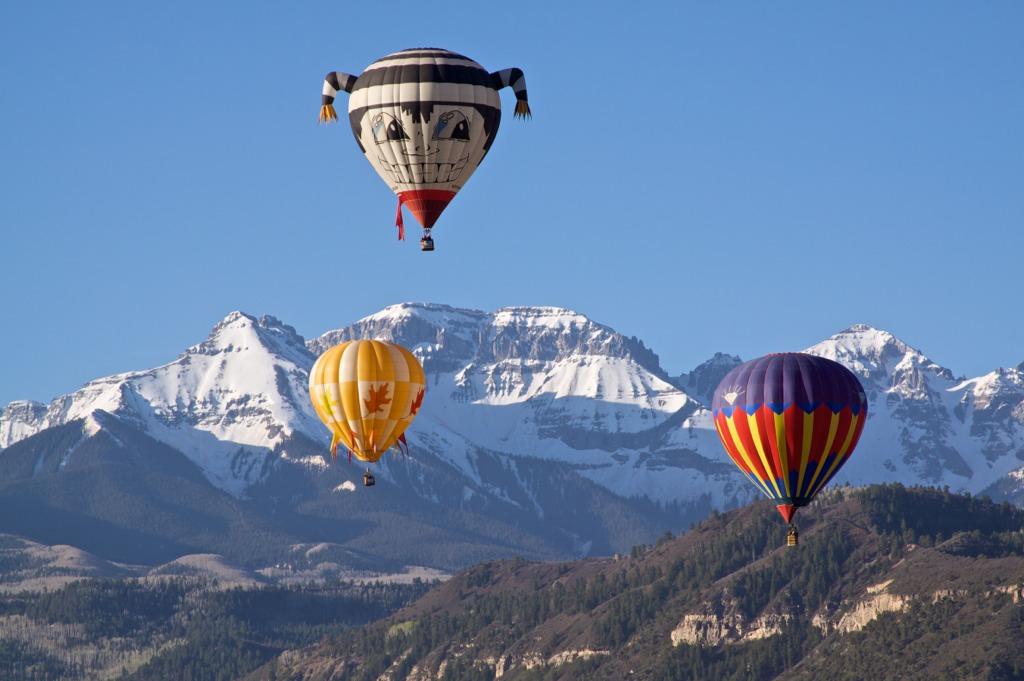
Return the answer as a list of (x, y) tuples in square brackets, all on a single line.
[(529, 411)]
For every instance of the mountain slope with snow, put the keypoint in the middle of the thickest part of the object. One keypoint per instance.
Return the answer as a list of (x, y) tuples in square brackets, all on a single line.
[(924, 424), (551, 384), (228, 403), (538, 419)]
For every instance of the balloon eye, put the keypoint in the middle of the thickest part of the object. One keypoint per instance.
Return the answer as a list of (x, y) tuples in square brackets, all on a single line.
[(452, 125), (386, 127), (395, 131), (461, 131)]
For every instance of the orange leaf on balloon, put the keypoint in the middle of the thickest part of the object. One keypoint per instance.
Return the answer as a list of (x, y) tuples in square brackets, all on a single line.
[(378, 399), (417, 403)]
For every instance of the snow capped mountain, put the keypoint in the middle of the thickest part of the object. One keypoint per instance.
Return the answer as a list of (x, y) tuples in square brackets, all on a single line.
[(228, 403), (925, 425), (20, 419), (551, 384), (439, 333), (995, 402), (525, 386)]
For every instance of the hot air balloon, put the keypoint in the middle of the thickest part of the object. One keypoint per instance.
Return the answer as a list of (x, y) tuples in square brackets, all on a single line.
[(367, 392), (425, 118), (789, 421)]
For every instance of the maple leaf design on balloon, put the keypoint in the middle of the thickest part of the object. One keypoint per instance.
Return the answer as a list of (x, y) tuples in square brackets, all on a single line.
[(378, 399), (417, 403)]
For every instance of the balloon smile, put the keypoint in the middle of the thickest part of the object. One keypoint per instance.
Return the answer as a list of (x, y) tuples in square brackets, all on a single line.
[(426, 173)]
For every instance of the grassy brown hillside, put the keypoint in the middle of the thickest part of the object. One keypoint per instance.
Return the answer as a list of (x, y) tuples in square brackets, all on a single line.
[(888, 583)]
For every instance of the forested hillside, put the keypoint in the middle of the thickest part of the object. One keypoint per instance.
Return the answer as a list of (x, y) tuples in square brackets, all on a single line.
[(175, 628), (887, 583)]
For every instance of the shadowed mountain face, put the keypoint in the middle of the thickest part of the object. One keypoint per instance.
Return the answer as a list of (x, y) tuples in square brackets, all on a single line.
[(888, 583), (544, 434), (104, 486)]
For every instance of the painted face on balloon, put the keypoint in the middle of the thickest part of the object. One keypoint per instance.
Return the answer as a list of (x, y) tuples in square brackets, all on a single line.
[(417, 149)]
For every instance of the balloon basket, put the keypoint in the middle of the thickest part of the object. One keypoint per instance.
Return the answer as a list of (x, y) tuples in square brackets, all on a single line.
[(368, 479), (792, 537)]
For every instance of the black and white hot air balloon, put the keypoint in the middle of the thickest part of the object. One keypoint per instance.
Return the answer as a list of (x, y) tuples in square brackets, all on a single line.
[(425, 118)]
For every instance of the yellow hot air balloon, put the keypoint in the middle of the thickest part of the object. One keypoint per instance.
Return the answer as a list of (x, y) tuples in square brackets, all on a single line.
[(367, 392)]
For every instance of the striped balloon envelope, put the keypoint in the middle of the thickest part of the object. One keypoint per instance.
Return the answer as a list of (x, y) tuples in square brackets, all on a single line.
[(789, 421), (425, 118), (367, 392)]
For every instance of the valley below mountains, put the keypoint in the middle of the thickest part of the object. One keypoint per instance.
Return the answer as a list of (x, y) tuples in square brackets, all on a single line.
[(544, 435)]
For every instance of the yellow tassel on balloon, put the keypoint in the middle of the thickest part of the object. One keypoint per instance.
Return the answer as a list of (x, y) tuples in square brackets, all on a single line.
[(328, 114), (522, 109)]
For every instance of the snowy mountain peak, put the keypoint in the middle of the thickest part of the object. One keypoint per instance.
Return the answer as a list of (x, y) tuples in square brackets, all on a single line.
[(718, 362), (866, 340), (24, 409), (705, 377), (445, 337), (551, 334), (875, 354), (239, 332), (433, 312), (227, 403), (20, 419), (926, 424), (442, 315), (1001, 385), (549, 317)]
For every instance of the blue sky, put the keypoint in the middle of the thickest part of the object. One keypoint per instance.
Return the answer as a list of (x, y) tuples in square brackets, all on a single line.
[(747, 177)]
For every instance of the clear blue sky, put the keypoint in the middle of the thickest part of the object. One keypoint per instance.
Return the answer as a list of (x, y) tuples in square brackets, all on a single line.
[(741, 176)]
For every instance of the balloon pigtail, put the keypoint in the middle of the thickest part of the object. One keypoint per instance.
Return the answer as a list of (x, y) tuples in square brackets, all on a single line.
[(334, 447), (334, 82), (328, 114), (403, 445), (515, 79)]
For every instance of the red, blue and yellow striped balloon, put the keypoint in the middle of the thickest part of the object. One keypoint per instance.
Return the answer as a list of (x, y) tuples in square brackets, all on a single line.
[(789, 421)]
